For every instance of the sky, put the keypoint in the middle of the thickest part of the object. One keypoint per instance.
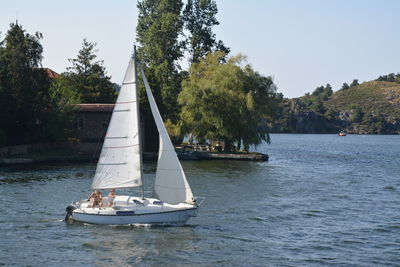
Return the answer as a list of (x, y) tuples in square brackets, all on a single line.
[(302, 44)]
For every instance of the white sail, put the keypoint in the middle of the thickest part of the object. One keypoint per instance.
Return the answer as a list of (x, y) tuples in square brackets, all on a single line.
[(170, 185), (120, 164)]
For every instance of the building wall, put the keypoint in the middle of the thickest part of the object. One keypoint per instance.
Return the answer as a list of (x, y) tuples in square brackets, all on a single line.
[(92, 126), (92, 122)]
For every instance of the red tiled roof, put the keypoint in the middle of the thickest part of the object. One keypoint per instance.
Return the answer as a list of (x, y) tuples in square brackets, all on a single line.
[(51, 73), (95, 107)]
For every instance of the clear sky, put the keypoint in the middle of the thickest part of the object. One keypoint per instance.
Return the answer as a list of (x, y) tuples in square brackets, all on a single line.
[(301, 43)]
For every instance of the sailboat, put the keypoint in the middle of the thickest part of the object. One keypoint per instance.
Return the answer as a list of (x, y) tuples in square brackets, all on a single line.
[(120, 167)]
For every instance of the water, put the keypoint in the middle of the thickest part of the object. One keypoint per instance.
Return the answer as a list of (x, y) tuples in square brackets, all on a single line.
[(321, 199)]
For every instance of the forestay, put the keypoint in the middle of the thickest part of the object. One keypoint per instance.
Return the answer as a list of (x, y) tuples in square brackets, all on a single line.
[(119, 165), (170, 184)]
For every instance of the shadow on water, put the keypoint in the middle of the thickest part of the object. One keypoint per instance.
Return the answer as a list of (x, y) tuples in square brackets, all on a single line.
[(23, 177), (39, 173), (224, 168), (15, 174)]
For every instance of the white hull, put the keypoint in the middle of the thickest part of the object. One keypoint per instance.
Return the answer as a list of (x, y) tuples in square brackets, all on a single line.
[(128, 210), (178, 217)]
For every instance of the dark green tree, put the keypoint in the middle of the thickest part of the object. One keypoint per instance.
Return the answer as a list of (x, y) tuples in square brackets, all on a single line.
[(354, 83), (62, 99), (357, 114), (89, 78), (327, 92), (345, 86), (159, 28), (200, 18), (23, 86), (317, 106), (319, 90), (391, 77)]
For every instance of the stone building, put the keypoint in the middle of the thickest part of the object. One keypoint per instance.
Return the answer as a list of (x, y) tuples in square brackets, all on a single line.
[(92, 121)]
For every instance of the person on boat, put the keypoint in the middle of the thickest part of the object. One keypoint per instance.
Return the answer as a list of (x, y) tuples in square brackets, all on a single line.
[(111, 196), (95, 198)]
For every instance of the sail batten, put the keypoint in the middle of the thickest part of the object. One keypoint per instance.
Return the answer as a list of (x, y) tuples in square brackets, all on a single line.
[(118, 147)]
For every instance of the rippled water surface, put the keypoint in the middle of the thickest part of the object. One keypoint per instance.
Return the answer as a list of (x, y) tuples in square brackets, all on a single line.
[(321, 199)]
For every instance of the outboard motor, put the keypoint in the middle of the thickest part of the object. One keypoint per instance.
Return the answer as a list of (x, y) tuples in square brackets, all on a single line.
[(69, 210)]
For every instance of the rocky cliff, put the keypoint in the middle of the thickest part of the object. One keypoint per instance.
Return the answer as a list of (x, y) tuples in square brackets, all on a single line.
[(369, 108)]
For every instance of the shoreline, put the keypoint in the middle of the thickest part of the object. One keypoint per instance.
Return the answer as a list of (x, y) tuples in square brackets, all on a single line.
[(147, 156)]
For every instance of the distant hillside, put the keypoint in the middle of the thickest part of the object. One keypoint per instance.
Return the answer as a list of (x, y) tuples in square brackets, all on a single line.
[(371, 107), (368, 108), (371, 97)]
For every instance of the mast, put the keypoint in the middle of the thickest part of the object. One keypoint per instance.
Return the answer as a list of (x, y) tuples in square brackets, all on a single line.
[(138, 119)]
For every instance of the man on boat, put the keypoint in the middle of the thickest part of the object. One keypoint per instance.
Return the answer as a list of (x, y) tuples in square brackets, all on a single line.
[(95, 198)]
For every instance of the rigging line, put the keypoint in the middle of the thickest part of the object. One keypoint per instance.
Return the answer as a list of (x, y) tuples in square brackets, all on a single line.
[(119, 146)]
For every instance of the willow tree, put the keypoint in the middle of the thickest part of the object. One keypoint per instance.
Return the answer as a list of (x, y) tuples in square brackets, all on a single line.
[(227, 101)]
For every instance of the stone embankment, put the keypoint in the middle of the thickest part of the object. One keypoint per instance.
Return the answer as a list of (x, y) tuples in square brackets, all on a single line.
[(203, 155), (223, 156), (89, 152)]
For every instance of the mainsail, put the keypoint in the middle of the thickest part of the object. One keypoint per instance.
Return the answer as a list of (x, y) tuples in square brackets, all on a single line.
[(120, 164), (170, 185)]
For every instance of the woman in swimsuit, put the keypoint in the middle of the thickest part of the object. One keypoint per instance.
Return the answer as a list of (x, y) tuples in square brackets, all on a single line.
[(95, 198)]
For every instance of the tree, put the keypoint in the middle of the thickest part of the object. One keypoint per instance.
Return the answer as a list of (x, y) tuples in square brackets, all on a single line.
[(327, 92), (319, 90), (354, 83), (224, 101), (391, 77), (200, 17), (34, 112), (317, 106), (159, 28), (62, 100), (357, 114), (345, 86), (88, 77), (23, 93), (329, 114)]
